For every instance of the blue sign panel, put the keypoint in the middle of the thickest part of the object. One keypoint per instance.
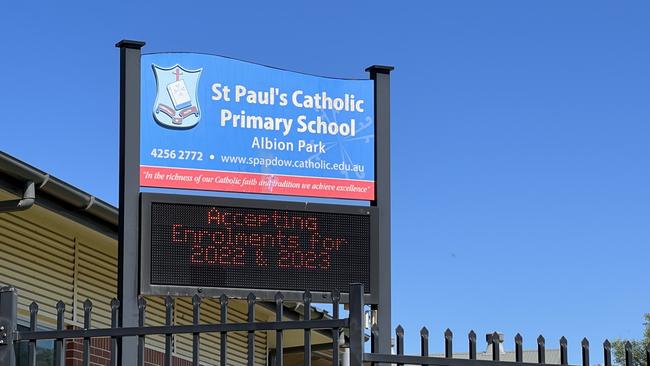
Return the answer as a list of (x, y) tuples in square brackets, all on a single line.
[(214, 123)]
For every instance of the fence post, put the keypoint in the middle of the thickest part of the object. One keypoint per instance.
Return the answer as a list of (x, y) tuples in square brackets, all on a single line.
[(564, 359), (449, 336), (629, 357), (585, 352), (7, 325), (607, 353), (356, 324), (519, 349)]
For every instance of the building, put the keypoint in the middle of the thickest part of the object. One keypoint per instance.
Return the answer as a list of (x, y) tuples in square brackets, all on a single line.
[(60, 243)]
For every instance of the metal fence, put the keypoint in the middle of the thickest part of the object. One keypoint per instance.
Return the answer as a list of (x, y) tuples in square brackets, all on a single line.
[(354, 324)]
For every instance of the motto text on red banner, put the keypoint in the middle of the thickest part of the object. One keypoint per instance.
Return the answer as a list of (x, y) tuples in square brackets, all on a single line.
[(162, 177)]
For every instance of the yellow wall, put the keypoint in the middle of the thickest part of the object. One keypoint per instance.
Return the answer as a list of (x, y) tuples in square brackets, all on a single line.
[(51, 258)]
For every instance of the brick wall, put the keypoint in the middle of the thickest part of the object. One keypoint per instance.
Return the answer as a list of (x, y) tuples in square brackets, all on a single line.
[(100, 354)]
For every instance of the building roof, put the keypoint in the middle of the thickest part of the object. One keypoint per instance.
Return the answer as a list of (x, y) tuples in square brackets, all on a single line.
[(18, 173)]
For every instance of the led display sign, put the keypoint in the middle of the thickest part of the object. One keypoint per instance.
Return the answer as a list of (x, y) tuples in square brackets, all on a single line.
[(244, 244)]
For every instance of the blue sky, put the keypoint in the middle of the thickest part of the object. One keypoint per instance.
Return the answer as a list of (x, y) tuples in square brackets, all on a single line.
[(520, 152)]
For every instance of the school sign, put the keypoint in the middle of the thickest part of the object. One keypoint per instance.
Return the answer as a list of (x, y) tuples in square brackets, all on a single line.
[(218, 124)]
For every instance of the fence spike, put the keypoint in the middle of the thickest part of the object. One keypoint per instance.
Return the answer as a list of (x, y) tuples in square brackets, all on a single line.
[(585, 351), (629, 356), (472, 344), (424, 342), (519, 351), (564, 360), (115, 308), (142, 308), (607, 350), (58, 343), (115, 304), (449, 336), (374, 335), (169, 314), (223, 351), (88, 307), (196, 337), (33, 320), (541, 349), (496, 353), (33, 307), (251, 334), (279, 334), (336, 297), (399, 331), (306, 298)]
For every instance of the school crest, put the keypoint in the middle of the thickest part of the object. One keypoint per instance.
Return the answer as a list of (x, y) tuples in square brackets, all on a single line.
[(176, 104)]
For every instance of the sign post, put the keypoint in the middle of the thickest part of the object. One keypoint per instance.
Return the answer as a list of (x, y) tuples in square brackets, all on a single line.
[(210, 123), (381, 76), (129, 207)]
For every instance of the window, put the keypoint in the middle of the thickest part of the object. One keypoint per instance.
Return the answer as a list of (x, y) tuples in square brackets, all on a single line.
[(44, 351)]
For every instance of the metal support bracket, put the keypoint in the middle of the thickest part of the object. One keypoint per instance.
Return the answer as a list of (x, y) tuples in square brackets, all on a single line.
[(6, 335)]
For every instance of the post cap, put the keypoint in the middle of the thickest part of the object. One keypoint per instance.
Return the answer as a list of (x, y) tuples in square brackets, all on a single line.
[(382, 69), (127, 43)]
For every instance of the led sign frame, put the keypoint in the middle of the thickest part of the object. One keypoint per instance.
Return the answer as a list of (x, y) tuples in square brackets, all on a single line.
[(214, 245)]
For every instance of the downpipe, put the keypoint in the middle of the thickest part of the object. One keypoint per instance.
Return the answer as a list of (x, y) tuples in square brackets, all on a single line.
[(29, 197)]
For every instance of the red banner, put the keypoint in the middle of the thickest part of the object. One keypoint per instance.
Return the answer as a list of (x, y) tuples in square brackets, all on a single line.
[(162, 177)]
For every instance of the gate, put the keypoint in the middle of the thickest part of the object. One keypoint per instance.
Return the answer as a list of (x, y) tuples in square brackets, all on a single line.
[(353, 324)]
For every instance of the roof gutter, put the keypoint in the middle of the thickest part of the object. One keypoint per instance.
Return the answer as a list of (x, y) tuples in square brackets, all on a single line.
[(56, 188)]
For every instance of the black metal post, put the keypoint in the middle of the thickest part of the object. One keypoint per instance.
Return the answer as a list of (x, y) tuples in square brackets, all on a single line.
[(449, 336), (424, 342), (496, 352), (129, 181), (336, 297), (585, 352), (142, 313), (519, 350), (196, 337), (607, 353), (33, 321), (356, 324), (564, 358), (169, 319), (306, 298), (381, 76), (541, 349), (8, 303), (251, 334), (399, 339), (629, 357), (223, 349), (59, 351), (279, 334), (472, 345), (115, 314), (88, 308)]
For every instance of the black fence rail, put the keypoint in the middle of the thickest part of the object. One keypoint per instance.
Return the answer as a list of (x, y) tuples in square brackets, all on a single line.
[(9, 334), (495, 344), (354, 324)]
